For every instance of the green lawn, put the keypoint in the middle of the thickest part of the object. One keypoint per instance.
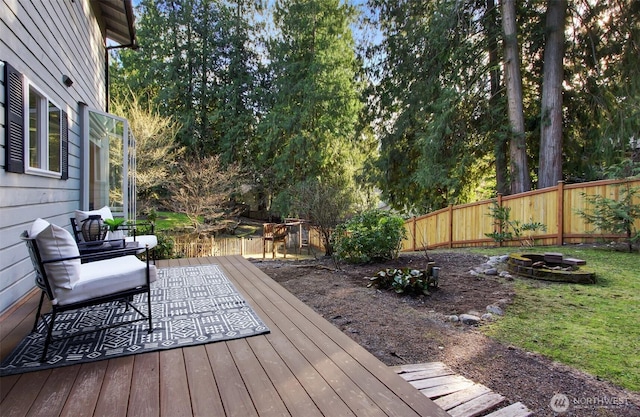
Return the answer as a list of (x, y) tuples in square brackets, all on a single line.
[(172, 221), (595, 328), (169, 221)]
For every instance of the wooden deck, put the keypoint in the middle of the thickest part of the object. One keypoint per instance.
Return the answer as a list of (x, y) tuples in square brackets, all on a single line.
[(304, 367)]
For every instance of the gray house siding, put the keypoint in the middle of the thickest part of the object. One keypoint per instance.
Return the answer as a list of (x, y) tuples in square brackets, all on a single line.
[(45, 40)]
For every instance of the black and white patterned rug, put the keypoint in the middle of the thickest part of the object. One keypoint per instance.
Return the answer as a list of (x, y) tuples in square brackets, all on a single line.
[(191, 305)]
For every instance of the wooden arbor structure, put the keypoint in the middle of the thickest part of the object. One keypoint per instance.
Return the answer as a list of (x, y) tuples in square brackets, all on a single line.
[(274, 232)]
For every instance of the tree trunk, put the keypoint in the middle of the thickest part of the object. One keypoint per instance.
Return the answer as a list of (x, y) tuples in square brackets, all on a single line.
[(500, 146), (518, 165), (550, 169)]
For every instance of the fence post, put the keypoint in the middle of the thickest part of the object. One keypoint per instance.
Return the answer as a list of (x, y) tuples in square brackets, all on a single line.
[(499, 202), (414, 234), (560, 213), (450, 226)]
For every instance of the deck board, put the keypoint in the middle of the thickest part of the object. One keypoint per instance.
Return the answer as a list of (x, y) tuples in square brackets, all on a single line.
[(514, 410), (233, 392), (52, 397), (174, 388), (261, 390), (6, 384), (144, 399), (23, 394), (202, 383), (304, 367), (458, 395), (477, 406), (83, 397), (289, 388), (114, 395), (326, 370)]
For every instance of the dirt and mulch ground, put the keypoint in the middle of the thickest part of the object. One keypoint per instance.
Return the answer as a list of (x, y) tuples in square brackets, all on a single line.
[(408, 330)]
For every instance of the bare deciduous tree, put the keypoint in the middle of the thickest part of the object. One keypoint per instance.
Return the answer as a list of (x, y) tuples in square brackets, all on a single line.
[(324, 203), (202, 189), (156, 148)]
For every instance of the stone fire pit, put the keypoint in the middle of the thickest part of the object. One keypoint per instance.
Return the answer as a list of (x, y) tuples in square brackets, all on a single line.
[(550, 267)]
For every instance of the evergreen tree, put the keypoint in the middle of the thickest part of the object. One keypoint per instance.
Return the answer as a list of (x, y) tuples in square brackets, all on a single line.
[(309, 130), (602, 93), (195, 64), (493, 30), (550, 168), (435, 92), (519, 167), (431, 103), (435, 114), (239, 91)]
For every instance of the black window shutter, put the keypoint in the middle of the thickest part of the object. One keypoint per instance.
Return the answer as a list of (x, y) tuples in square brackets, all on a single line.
[(14, 145), (64, 143)]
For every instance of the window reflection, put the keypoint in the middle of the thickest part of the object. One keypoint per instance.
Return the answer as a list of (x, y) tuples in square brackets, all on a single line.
[(44, 127), (54, 139), (106, 162)]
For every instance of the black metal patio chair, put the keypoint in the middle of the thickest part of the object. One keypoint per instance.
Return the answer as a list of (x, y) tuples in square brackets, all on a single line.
[(70, 284)]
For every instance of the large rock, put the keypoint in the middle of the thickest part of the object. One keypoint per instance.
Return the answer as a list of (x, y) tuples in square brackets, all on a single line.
[(469, 319), (493, 309), (497, 260), (483, 267)]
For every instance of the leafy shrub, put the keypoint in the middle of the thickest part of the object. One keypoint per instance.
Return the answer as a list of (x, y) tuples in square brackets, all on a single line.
[(615, 215), (512, 229), (370, 236), (405, 280), (164, 249)]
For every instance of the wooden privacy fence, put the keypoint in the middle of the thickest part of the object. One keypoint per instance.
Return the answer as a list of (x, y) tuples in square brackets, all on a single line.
[(189, 246), (556, 207), (193, 247)]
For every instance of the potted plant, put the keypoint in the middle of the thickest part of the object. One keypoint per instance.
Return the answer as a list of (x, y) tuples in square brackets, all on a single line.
[(114, 232)]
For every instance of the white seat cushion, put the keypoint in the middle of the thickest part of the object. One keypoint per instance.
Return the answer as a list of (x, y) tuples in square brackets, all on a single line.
[(54, 242), (106, 277), (144, 240)]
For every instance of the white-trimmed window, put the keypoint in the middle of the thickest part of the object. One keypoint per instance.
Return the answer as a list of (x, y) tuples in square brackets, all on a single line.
[(44, 129), (37, 137)]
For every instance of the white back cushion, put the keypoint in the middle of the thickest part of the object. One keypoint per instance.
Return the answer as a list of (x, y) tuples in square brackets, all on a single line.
[(54, 242), (38, 226), (104, 212)]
